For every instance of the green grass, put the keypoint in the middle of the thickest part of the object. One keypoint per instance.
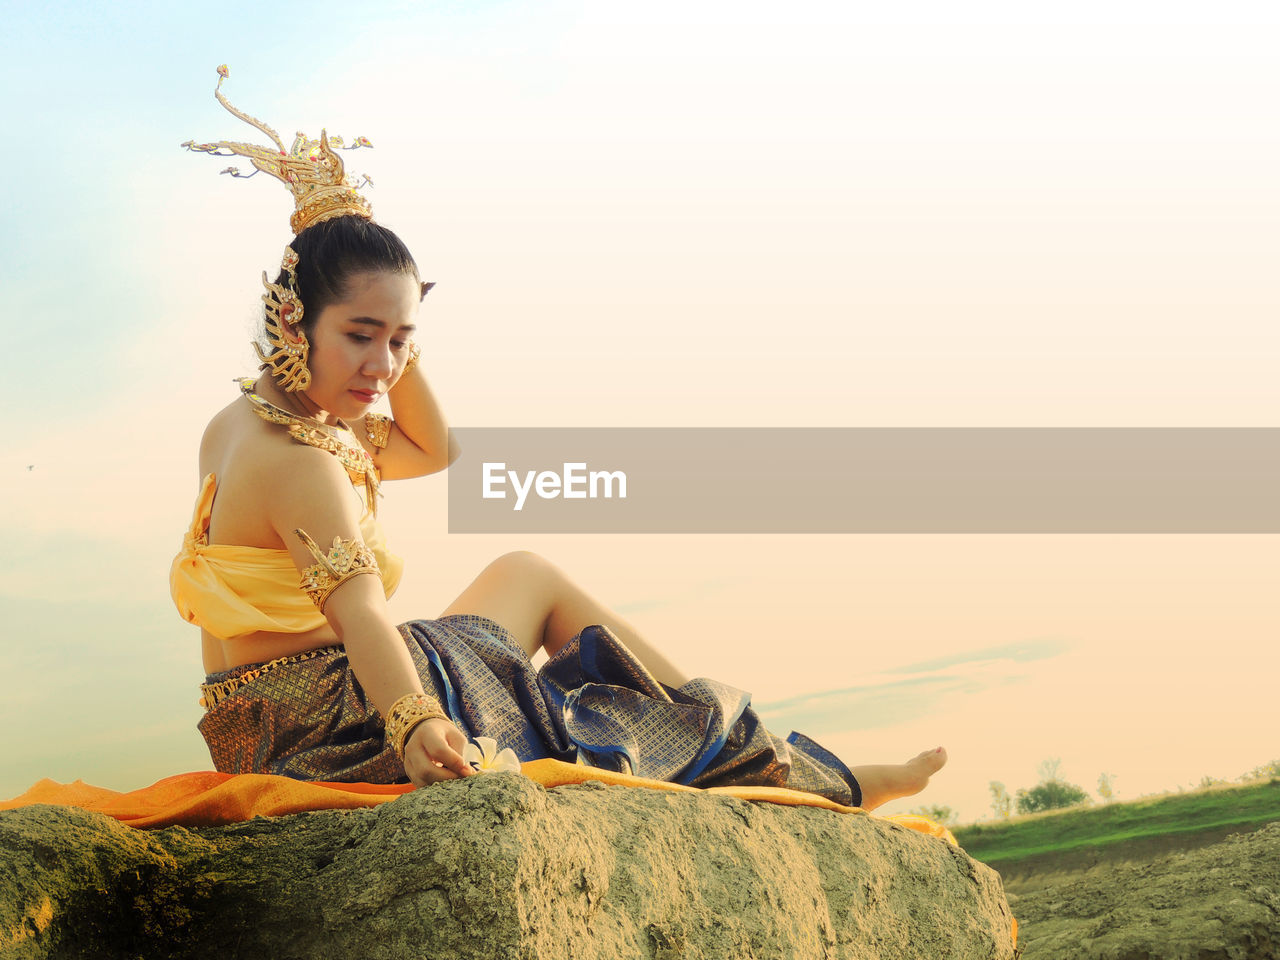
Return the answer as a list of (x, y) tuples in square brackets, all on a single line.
[(1250, 806)]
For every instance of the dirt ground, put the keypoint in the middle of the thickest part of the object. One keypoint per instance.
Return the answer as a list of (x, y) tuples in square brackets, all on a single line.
[(1207, 896)]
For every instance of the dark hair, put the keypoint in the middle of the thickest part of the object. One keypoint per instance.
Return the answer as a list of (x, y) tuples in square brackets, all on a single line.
[(332, 253)]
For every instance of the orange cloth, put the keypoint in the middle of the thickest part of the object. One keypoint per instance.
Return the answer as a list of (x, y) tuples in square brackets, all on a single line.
[(233, 591), (208, 798)]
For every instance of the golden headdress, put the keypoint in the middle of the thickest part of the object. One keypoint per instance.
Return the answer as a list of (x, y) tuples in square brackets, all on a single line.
[(311, 169), (317, 178)]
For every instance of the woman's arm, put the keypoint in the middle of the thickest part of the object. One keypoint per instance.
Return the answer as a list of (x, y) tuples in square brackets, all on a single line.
[(419, 442), (358, 612), (308, 490)]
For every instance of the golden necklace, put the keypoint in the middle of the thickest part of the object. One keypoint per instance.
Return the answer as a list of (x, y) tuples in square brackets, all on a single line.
[(339, 440)]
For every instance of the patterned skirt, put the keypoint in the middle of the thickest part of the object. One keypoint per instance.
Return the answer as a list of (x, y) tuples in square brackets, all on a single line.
[(307, 717)]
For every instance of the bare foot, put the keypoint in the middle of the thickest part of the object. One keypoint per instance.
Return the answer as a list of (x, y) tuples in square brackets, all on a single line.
[(890, 781)]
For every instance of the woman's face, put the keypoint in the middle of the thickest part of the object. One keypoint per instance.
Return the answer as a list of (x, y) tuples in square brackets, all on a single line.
[(359, 345)]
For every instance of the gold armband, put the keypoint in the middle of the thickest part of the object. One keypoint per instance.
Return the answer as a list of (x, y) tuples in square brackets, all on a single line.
[(345, 559), (377, 428), (406, 713)]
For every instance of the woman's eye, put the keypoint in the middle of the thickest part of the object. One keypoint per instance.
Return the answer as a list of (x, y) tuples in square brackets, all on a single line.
[(359, 337), (398, 344)]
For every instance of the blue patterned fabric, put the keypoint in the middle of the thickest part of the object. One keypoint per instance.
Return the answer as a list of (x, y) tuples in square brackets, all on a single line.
[(593, 700)]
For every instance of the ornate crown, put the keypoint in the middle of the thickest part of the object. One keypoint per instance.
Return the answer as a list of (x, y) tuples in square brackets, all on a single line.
[(310, 169)]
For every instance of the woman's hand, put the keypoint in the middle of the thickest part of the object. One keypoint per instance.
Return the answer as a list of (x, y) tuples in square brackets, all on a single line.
[(434, 752)]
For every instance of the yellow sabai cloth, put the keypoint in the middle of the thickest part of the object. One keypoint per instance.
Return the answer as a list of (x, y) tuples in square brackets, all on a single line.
[(233, 591)]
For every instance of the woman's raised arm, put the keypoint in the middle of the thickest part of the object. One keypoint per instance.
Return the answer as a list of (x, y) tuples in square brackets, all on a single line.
[(418, 442)]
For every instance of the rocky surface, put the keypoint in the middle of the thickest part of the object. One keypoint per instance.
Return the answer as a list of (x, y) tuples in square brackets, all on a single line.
[(498, 867), (1220, 902)]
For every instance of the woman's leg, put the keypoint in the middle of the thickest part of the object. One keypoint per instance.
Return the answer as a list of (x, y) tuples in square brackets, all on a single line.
[(544, 609), (882, 782)]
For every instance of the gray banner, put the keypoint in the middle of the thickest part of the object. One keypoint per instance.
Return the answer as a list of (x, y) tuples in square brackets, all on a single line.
[(866, 480)]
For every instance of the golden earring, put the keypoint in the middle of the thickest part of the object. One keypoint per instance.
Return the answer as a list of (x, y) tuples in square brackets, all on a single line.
[(288, 357)]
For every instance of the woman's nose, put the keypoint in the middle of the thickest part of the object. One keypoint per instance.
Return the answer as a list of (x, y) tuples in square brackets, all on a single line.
[(380, 363)]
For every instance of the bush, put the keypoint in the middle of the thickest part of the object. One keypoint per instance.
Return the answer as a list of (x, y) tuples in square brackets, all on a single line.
[(1001, 802), (1268, 771), (1107, 786), (1050, 795)]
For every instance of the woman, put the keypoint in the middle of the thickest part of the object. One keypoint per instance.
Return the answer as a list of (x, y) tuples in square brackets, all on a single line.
[(302, 675)]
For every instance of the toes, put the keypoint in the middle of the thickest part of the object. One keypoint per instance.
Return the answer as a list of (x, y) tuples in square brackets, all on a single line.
[(933, 759)]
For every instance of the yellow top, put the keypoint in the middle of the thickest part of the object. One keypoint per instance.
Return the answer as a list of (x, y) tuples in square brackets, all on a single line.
[(233, 591)]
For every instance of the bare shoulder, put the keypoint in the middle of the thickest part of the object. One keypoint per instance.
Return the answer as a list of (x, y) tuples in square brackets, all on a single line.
[(264, 476), (307, 489), (286, 471), (220, 433)]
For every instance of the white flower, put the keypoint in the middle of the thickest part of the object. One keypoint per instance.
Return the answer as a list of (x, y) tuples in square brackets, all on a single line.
[(487, 758)]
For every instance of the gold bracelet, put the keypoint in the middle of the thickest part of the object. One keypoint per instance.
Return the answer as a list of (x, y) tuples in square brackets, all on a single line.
[(415, 352), (377, 427), (406, 713)]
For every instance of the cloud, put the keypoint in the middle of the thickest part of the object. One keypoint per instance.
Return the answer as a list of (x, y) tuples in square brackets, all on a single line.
[(908, 692), (1024, 652)]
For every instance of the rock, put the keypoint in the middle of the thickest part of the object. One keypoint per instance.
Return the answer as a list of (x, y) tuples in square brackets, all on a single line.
[(498, 867), (1220, 902)]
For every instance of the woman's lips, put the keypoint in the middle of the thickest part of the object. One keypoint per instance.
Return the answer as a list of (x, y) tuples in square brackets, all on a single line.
[(365, 396)]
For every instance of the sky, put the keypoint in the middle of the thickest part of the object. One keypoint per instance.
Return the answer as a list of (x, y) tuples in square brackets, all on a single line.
[(674, 214)]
